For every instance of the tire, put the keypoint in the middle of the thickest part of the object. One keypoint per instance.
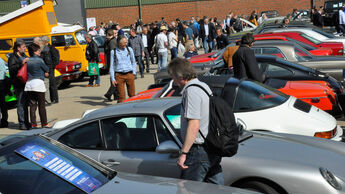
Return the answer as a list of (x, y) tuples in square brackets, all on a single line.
[(259, 187), (81, 77)]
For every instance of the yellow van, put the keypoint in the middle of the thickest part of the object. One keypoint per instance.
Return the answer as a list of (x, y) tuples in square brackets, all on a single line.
[(38, 19)]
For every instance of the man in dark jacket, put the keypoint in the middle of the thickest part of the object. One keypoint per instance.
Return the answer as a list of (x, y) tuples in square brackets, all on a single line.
[(92, 55), (208, 35), (15, 62), (222, 40), (244, 61), (109, 45), (136, 43), (50, 56), (318, 19), (146, 37)]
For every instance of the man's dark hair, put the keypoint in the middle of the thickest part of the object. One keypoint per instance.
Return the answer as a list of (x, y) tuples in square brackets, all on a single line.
[(177, 19), (186, 23), (181, 68), (218, 28), (114, 27), (18, 44), (110, 32), (247, 39), (33, 48)]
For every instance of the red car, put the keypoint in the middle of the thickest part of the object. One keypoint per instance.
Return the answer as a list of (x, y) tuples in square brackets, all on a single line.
[(70, 71), (317, 51), (317, 93), (337, 47)]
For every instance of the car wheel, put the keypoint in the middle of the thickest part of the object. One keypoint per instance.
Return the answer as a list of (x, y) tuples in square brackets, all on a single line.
[(259, 187)]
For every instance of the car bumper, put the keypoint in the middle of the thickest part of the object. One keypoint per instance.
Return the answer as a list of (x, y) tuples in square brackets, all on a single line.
[(71, 76), (340, 134)]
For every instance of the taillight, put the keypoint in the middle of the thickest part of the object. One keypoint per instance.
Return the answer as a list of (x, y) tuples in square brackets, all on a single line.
[(326, 134)]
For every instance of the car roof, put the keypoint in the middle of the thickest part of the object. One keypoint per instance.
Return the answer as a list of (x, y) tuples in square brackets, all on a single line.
[(144, 106)]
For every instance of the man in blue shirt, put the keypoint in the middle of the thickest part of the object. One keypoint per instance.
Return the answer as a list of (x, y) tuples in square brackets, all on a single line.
[(123, 68), (188, 34)]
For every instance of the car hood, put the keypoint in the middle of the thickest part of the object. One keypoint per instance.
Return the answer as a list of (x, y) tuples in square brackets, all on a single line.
[(328, 58), (298, 150), (133, 183)]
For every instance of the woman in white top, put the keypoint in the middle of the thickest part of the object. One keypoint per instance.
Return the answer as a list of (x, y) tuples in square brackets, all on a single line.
[(35, 87)]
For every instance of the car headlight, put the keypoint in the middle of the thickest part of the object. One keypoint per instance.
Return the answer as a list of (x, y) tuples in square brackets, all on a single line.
[(341, 51), (330, 178), (326, 134), (66, 68)]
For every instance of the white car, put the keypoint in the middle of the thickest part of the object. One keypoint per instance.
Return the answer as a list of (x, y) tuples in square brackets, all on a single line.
[(261, 108), (315, 33)]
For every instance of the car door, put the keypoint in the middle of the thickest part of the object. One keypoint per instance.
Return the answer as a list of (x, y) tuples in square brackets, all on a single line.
[(131, 142), (86, 138)]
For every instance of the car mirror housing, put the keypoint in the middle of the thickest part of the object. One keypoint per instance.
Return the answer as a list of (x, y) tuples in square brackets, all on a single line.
[(167, 147)]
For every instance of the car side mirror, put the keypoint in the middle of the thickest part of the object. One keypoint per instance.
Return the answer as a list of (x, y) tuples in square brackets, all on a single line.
[(167, 147)]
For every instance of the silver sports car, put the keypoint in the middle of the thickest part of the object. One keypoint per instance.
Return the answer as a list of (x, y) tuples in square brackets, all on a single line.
[(144, 137)]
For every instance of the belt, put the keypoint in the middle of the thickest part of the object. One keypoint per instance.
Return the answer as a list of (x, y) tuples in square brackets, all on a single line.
[(124, 73)]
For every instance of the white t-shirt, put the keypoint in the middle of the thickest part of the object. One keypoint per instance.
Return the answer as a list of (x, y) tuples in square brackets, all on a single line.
[(35, 85), (161, 40), (206, 29), (172, 40), (101, 32), (144, 38)]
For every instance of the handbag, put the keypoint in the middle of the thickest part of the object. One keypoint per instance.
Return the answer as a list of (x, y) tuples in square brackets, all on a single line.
[(22, 74), (93, 69)]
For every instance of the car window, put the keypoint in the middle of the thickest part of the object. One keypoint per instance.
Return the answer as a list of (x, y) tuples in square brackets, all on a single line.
[(130, 133), (99, 41), (80, 37), (273, 71), (21, 175), (173, 115), (301, 55), (163, 133), (63, 40), (84, 137), (257, 51), (273, 51), (6, 44), (253, 96), (311, 39)]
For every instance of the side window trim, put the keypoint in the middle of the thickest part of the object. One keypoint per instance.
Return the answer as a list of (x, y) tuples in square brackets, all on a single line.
[(104, 143), (235, 99), (158, 119)]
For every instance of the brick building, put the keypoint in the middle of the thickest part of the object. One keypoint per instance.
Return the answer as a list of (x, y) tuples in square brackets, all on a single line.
[(127, 11)]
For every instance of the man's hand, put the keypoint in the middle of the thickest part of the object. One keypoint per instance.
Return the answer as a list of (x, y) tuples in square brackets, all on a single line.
[(46, 74), (114, 83), (25, 60), (181, 160), (143, 54)]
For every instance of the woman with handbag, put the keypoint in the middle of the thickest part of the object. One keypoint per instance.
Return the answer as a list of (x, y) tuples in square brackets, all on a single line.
[(15, 62), (36, 71)]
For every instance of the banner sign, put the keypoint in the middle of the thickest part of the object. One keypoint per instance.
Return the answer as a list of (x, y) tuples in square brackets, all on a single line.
[(59, 166)]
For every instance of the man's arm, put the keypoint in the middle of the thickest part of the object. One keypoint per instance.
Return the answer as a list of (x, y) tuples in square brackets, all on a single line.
[(253, 67)]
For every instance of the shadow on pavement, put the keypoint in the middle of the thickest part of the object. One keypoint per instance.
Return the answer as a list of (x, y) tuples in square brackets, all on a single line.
[(95, 103), (92, 97)]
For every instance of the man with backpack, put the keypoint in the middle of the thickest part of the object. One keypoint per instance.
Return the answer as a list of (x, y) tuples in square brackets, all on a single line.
[(123, 68), (200, 157)]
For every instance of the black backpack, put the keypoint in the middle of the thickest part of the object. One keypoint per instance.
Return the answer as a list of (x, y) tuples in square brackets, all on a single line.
[(223, 132)]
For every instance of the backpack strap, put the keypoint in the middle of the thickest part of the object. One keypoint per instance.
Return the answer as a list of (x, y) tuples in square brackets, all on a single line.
[(199, 86)]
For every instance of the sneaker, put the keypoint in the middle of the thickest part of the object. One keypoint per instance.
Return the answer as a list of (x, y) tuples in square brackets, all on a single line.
[(34, 126), (46, 126), (96, 85), (88, 85), (4, 124), (108, 98), (142, 76)]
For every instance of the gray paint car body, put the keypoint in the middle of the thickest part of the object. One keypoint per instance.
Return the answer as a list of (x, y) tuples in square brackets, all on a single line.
[(290, 161), (332, 65)]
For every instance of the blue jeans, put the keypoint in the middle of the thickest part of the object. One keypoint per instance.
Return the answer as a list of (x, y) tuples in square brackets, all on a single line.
[(22, 107), (95, 77), (162, 59), (203, 166), (173, 53), (139, 59), (208, 46)]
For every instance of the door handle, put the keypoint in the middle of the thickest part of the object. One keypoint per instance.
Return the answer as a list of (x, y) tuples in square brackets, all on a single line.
[(110, 163)]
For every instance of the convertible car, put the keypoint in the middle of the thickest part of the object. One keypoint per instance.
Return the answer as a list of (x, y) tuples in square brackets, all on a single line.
[(337, 47), (130, 137), (333, 66)]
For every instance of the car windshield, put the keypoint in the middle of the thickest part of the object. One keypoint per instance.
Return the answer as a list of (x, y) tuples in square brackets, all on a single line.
[(331, 5), (80, 36), (35, 165), (328, 35), (301, 54), (252, 96), (311, 39), (99, 40)]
